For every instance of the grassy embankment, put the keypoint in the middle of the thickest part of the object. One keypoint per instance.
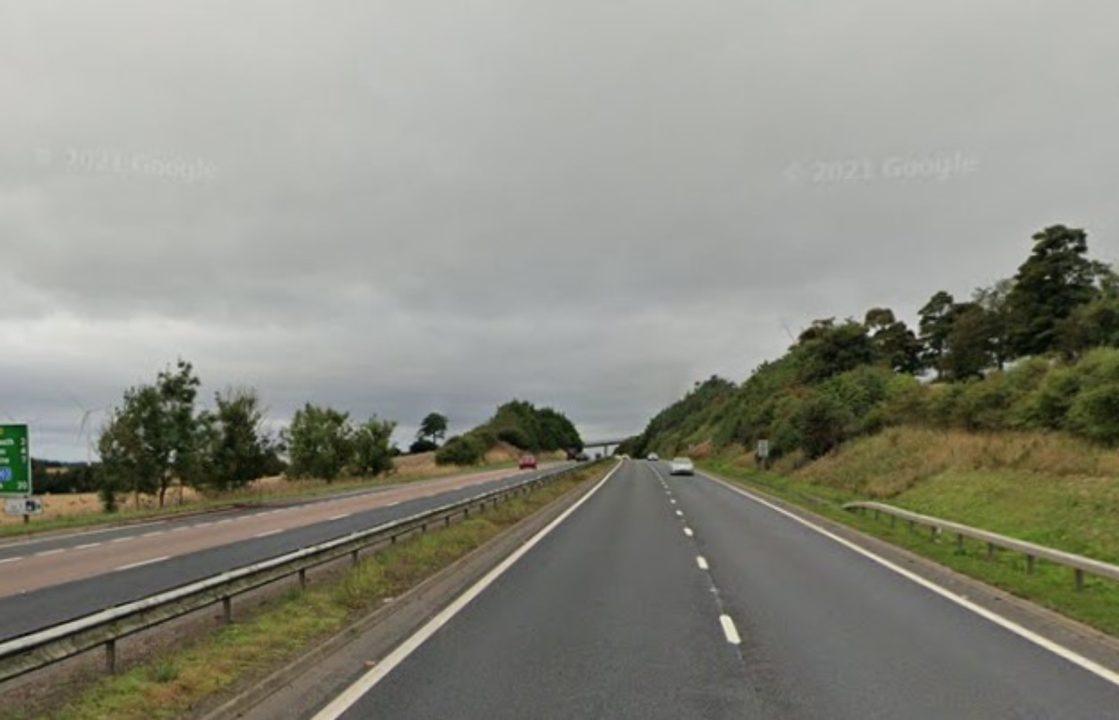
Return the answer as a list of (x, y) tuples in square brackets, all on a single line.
[(170, 685), (1046, 488), (82, 510)]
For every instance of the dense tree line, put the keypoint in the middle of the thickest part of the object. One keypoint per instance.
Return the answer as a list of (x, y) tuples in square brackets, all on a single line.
[(159, 438), (1029, 351)]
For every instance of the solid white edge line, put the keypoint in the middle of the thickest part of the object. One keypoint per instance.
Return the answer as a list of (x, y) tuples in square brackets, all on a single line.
[(1007, 624), (55, 551), (266, 533), (11, 559), (729, 629), (369, 680), (701, 562)]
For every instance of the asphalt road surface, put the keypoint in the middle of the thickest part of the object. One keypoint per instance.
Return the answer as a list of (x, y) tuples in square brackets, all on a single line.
[(45, 581), (677, 597)]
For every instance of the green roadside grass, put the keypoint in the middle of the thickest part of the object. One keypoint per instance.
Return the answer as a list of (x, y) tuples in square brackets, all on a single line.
[(298, 490), (1024, 506), (177, 681)]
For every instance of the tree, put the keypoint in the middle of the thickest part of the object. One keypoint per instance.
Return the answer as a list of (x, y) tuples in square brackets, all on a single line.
[(372, 447), (970, 346), (319, 442), (827, 349), (993, 300), (153, 439), (1054, 280), (935, 324), (433, 428), (893, 341), (235, 449)]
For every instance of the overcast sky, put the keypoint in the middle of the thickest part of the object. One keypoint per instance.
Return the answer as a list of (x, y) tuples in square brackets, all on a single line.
[(397, 207)]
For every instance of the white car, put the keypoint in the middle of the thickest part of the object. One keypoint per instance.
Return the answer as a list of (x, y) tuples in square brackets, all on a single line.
[(652, 457), (682, 466)]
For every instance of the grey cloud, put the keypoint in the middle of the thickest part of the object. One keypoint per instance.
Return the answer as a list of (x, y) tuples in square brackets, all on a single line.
[(427, 205)]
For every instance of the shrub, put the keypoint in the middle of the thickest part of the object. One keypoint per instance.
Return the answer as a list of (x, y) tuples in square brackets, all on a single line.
[(822, 423), (422, 445), (461, 450), (1095, 413)]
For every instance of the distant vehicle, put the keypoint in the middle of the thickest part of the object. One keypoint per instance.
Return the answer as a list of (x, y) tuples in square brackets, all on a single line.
[(682, 466), (582, 457), (528, 462), (652, 457)]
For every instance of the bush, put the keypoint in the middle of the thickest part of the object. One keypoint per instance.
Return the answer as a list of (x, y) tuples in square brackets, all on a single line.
[(983, 404), (422, 445), (1095, 414), (461, 450), (822, 423)]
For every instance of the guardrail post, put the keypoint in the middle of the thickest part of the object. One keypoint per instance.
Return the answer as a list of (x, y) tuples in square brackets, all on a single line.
[(1030, 564), (111, 657), (990, 550), (447, 521), (227, 609), (1079, 579), (303, 578), (933, 529), (353, 557), (960, 541)]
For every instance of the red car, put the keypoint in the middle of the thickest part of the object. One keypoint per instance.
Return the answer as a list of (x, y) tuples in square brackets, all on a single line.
[(528, 462)]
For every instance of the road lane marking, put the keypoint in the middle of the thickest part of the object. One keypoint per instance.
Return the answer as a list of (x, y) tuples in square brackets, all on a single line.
[(339, 516), (266, 533), (129, 566), (370, 679), (1007, 624), (688, 531), (154, 532), (701, 561), (87, 545), (11, 559), (43, 553), (672, 500), (679, 513), (729, 629), (121, 539)]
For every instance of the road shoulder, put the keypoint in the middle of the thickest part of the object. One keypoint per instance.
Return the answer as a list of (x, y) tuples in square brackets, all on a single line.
[(1081, 639), (301, 687)]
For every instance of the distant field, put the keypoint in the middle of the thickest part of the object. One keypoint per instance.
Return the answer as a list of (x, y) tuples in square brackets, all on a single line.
[(76, 509)]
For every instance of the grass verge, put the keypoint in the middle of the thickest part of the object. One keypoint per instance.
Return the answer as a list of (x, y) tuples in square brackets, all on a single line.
[(172, 684), (968, 500)]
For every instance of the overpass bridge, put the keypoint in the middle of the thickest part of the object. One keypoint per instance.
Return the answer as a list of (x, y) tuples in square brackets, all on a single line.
[(604, 444)]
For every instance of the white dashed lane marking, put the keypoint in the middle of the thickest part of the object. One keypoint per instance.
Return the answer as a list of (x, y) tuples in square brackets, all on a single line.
[(701, 562), (688, 532), (129, 566), (729, 630)]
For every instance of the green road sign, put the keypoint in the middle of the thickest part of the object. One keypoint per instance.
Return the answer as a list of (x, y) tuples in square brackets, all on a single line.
[(15, 460)]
